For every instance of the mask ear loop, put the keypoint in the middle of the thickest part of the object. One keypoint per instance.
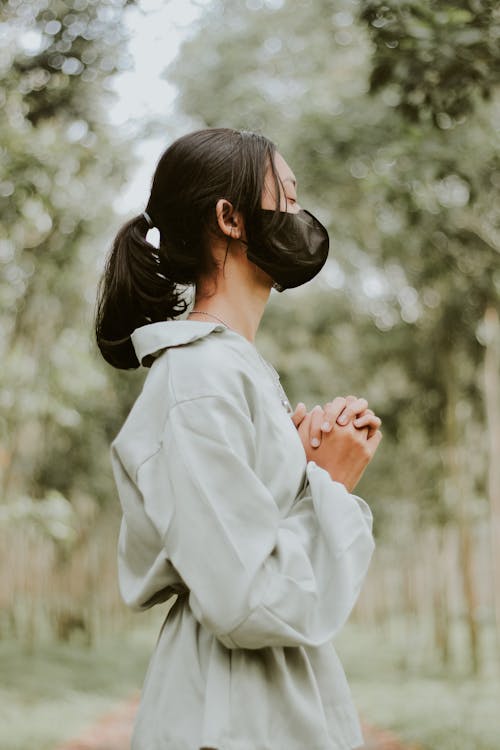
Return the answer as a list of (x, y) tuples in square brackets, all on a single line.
[(229, 240), (225, 256)]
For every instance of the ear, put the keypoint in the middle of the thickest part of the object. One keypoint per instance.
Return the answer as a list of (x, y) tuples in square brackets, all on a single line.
[(230, 221)]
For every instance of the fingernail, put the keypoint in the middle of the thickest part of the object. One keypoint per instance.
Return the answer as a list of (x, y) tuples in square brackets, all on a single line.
[(314, 442), (325, 426), (343, 419)]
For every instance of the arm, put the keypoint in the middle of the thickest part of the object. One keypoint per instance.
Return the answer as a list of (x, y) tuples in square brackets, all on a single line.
[(255, 579)]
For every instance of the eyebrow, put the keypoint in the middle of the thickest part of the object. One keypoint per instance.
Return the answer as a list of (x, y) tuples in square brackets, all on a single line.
[(291, 179)]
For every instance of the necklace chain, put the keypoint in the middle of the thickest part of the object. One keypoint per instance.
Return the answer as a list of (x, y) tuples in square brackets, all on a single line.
[(202, 312), (276, 378)]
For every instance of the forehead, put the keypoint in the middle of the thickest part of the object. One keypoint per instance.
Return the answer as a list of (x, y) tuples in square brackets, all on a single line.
[(283, 170)]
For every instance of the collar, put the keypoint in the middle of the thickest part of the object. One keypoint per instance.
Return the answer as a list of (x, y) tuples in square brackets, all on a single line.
[(151, 340)]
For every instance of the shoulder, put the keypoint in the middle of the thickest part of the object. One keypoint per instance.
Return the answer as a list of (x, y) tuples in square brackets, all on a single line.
[(214, 372), (224, 365)]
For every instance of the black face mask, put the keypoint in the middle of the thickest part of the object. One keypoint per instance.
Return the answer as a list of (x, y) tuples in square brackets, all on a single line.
[(292, 254)]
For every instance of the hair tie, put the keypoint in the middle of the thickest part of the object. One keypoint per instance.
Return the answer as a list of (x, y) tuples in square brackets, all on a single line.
[(148, 218), (153, 234)]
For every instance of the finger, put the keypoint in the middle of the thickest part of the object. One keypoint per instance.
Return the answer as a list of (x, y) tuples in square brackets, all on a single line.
[(372, 428), (352, 409), (299, 413), (365, 411), (374, 440), (315, 426), (361, 433), (332, 409), (368, 419), (303, 428)]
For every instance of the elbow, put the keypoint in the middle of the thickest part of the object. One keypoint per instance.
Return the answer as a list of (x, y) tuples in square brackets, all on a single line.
[(308, 610), (296, 624), (265, 627), (249, 637)]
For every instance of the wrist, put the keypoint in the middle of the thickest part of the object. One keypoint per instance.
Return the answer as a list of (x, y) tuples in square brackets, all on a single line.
[(340, 481), (336, 476), (333, 474)]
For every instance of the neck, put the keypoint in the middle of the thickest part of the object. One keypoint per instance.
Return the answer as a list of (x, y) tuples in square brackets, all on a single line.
[(241, 307)]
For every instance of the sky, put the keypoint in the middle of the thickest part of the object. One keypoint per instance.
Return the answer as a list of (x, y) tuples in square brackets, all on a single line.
[(156, 30)]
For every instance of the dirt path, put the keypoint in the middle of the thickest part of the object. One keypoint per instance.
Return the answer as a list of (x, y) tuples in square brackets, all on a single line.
[(112, 732), (382, 739)]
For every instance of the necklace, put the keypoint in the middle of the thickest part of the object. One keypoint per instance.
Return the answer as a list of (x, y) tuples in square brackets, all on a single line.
[(270, 369)]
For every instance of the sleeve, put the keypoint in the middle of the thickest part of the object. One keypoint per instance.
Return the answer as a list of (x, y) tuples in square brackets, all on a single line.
[(255, 578)]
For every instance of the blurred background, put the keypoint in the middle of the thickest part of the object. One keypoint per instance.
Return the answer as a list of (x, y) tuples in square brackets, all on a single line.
[(389, 115)]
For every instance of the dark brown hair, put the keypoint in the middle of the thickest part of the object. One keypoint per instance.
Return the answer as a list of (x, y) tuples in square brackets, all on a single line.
[(141, 284)]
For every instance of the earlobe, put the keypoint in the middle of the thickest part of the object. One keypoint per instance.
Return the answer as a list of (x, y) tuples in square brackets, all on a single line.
[(227, 219)]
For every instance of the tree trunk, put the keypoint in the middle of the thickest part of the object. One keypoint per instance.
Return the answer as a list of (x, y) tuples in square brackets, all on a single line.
[(440, 598), (460, 486), (491, 382)]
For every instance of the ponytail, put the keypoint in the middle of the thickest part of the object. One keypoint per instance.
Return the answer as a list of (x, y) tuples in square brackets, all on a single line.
[(142, 285), (136, 288)]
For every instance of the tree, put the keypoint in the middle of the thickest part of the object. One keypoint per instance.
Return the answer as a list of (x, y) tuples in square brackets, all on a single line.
[(405, 173), (59, 162)]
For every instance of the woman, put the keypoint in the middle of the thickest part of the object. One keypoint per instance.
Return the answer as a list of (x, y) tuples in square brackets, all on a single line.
[(229, 500)]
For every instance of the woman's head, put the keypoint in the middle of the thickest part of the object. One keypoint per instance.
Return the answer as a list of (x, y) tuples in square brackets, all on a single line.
[(140, 284)]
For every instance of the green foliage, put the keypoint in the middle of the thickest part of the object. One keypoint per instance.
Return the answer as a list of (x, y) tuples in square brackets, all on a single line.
[(411, 205), (60, 162), (396, 149), (65, 46), (438, 57)]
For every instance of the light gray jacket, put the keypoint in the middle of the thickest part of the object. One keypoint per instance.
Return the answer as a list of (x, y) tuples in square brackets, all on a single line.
[(266, 553)]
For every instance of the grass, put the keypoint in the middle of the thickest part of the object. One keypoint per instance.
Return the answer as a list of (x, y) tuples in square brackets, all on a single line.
[(53, 694), (398, 683)]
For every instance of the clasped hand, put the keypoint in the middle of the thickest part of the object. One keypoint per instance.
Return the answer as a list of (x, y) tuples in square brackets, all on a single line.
[(341, 437)]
